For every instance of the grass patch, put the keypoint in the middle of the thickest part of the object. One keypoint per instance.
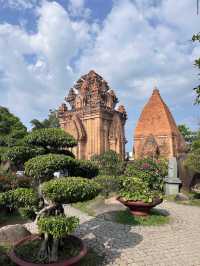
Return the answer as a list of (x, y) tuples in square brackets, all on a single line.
[(194, 199), (89, 206), (155, 218), (11, 218)]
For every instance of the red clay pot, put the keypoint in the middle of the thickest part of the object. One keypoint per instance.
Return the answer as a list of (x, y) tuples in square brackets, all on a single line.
[(140, 208), (68, 262)]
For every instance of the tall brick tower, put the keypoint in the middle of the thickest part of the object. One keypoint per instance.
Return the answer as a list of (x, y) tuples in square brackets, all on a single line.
[(92, 118), (156, 133)]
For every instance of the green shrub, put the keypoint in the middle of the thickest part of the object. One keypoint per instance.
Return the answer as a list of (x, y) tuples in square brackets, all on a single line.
[(2, 151), (20, 154), (137, 189), (50, 138), (20, 197), (27, 213), (57, 226), (193, 160), (109, 163), (86, 169), (42, 167), (69, 190), (151, 171), (109, 184)]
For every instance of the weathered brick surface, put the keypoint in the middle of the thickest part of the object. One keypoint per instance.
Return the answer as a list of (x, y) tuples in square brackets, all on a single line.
[(156, 131), (92, 118), (174, 244)]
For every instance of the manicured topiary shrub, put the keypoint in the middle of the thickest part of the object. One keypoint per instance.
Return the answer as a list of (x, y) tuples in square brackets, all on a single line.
[(70, 189), (109, 163), (20, 154), (42, 167), (109, 184), (52, 139), (27, 212), (86, 169)]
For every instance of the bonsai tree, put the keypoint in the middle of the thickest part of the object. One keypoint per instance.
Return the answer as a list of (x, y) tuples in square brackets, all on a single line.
[(109, 163), (53, 140), (52, 223)]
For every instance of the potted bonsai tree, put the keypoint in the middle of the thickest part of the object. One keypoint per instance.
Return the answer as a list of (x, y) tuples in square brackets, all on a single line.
[(55, 246), (142, 187)]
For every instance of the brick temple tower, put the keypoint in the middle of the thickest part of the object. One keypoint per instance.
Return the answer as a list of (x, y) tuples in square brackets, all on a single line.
[(92, 118), (156, 133)]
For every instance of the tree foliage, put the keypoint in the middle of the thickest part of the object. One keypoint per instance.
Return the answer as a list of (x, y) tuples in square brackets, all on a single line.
[(43, 167), (51, 122), (109, 163), (11, 128), (52, 139), (196, 37), (187, 133)]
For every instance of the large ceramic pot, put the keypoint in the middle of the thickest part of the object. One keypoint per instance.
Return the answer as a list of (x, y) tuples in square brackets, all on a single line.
[(140, 208), (67, 262)]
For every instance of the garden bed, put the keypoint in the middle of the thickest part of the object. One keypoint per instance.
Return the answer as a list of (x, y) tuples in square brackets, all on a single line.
[(10, 218)]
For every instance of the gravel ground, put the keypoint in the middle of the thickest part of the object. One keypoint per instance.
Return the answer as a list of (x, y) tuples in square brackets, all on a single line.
[(177, 243)]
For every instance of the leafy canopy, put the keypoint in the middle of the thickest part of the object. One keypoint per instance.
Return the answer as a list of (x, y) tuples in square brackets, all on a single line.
[(51, 139), (43, 167), (70, 190), (11, 128), (196, 37), (109, 163), (51, 122)]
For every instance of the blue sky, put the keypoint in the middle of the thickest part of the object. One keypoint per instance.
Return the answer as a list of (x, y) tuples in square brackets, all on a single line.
[(134, 44)]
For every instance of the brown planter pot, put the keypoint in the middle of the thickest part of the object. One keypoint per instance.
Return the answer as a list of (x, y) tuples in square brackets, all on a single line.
[(139, 208), (67, 262)]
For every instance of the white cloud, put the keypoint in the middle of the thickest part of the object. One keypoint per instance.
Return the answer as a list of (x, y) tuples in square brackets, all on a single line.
[(34, 87), (139, 45)]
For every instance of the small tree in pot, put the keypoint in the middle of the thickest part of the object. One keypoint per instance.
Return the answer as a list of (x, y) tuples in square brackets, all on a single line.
[(142, 188), (53, 225)]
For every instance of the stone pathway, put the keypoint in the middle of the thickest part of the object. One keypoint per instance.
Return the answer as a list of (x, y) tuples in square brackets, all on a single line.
[(177, 243)]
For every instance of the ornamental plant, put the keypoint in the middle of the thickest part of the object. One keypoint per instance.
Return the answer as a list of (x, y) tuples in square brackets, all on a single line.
[(51, 221), (144, 180), (54, 140), (18, 155), (42, 167)]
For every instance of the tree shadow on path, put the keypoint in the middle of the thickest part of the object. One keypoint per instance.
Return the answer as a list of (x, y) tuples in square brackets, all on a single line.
[(107, 238)]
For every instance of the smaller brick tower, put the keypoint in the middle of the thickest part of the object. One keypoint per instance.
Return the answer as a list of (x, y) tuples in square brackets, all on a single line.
[(156, 133)]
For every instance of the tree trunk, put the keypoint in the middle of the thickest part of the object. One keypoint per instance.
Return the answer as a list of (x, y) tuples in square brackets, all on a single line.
[(44, 250), (54, 250)]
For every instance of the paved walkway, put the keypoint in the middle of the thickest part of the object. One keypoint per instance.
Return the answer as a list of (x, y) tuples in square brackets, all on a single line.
[(177, 243)]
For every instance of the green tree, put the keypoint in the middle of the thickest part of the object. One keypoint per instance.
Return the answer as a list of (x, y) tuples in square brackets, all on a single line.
[(51, 122), (109, 163), (11, 128), (193, 159), (196, 37), (187, 133)]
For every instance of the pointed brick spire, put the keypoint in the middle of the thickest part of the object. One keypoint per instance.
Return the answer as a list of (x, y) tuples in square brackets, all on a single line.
[(157, 120), (156, 117)]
